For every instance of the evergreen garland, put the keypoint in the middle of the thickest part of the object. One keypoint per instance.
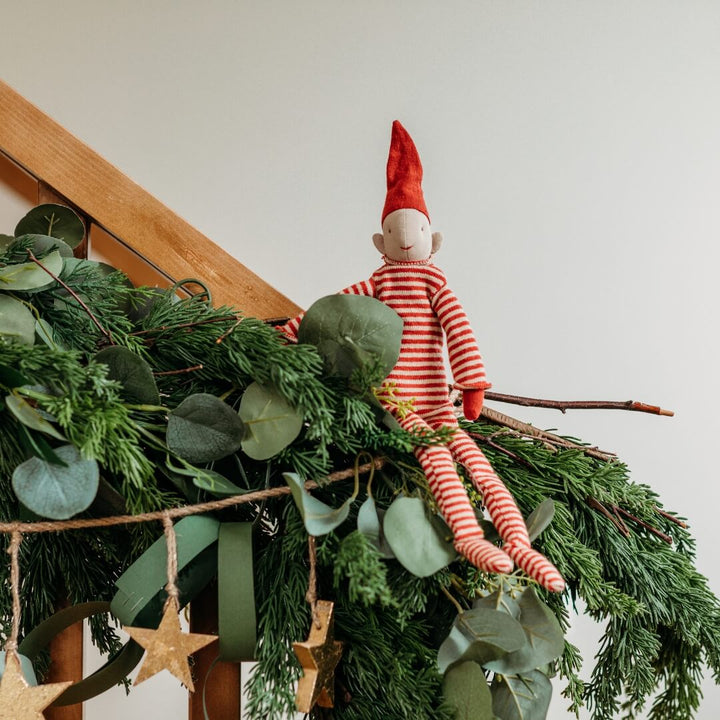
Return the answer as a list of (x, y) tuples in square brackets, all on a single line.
[(662, 622)]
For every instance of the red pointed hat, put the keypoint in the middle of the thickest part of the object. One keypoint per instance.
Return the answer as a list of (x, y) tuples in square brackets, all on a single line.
[(404, 174)]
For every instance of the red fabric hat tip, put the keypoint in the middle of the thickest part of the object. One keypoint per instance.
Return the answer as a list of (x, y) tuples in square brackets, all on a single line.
[(404, 174)]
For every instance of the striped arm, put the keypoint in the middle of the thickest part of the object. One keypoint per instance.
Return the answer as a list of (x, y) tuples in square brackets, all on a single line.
[(465, 360)]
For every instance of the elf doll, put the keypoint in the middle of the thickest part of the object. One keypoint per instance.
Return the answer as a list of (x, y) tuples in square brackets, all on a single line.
[(417, 290)]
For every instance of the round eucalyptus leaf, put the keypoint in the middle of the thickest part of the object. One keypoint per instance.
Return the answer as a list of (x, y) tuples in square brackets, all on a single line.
[(540, 518), (481, 635), (55, 220), (545, 639), (369, 523), (30, 417), (501, 601), (29, 275), (349, 330), (17, 323), (132, 372), (521, 697), (44, 331), (466, 691), (318, 517), (42, 244), (54, 491), (5, 242), (203, 428), (416, 541), (215, 483), (271, 422)]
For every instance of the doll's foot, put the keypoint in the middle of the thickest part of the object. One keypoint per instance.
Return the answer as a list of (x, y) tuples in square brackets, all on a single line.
[(537, 566), (484, 555)]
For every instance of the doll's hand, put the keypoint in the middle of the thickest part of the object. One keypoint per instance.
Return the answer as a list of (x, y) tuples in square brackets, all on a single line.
[(472, 403)]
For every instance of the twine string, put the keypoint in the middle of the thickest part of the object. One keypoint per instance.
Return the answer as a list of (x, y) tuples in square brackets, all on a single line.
[(172, 590), (311, 594), (14, 551)]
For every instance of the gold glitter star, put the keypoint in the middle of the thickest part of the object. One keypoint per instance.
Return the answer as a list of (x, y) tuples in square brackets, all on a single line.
[(168, 647), (319, 656), (20, 701)]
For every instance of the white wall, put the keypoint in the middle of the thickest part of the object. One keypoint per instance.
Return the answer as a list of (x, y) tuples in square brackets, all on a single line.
[(571, 155)]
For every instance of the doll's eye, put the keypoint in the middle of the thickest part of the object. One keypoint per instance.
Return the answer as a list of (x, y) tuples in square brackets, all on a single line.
[(389, 232)]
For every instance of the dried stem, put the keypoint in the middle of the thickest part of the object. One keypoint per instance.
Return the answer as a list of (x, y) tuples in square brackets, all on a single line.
[(647, 526), (564, 405), (670, 517), (597, 505), (179, 372), (75, 296)]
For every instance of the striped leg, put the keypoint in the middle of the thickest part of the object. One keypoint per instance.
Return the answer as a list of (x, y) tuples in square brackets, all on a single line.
[(454, 504), (504, 513)]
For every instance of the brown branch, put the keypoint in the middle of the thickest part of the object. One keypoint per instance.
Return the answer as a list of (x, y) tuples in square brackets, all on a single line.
[(670, 517), (179, 372), (75, 296), (184, 511), (488, 441), (647, 526), (597, 505), (499, 418), (563, 405)]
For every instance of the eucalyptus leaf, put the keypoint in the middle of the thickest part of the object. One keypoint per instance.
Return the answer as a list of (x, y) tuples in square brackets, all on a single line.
[(349, 330), (203, 428), (318, 517), (545, 639), (271, 422), (29, 275), (44, 330), (55, 220), (466, 691), (5, 242), (132, 372), (521, 697), (37, 446), (215, 483), (481, 635), (42, 244), (540, 518), (11, 378), (499, 600), (369, 523), (416, 541), (53, 491), (30, 417), (17, 323)]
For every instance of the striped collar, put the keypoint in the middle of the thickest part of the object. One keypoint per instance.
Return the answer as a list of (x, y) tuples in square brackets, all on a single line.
[(407, 263)]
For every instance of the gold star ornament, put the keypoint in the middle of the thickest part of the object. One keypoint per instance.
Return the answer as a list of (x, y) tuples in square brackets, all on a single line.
[(319, 657), (20, 701), (168, 647)]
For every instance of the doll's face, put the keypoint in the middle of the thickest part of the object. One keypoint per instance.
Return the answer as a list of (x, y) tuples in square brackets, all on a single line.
[(406, 236)]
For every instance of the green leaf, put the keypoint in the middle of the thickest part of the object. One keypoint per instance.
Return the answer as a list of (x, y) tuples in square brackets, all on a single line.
[(348, 330), (369, 523), (16, 321), (271, 422), (318, 517), (545, 639), (5, 242), (521, 697), (54, 491), (45, 332), (30, 417), (43, 244), (29, 276), (481, 635), (203, 428), (466, 691), (36, 445), (132, 372), (540, 518), (499, 600), (11, 378), (416, 541), (215, 483), (55, 220)]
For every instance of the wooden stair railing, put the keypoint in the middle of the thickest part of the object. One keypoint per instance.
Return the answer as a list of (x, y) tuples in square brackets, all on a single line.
[(69, 172)]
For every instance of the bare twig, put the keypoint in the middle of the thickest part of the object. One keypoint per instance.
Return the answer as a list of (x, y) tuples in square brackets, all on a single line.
[(74, 295), (647, 526), (597, 505), (487, 440), (563, 405), (179, 372), (670, 517)]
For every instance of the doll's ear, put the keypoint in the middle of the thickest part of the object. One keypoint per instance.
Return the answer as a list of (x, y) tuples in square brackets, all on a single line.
[(436, 241), (379, 242)]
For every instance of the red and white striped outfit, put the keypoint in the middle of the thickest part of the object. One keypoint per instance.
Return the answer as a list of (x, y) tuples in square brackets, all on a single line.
[(419, 293)]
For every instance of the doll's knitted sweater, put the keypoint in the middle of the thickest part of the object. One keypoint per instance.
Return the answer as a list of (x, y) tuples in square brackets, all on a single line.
[(419, 294)]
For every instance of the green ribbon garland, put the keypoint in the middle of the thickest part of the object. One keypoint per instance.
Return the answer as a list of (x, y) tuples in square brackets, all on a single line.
[(236, 593), (115, 670)]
